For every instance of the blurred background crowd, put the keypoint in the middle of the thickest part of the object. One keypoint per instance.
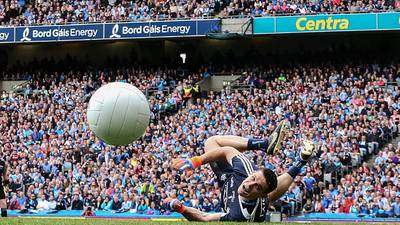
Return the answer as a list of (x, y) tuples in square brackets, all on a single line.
[(32, 12), (350, 111)]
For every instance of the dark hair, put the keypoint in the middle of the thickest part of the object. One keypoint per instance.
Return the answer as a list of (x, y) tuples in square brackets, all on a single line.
[(270, 177)]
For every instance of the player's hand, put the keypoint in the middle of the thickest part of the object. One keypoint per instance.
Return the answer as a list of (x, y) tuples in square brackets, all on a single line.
[(182, 164), (186, 164)]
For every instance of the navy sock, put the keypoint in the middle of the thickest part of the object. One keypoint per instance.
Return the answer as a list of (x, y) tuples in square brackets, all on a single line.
[(256, 144)]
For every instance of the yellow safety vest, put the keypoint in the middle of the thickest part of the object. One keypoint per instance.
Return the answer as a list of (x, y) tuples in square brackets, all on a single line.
[(196, 88), (187, 91)]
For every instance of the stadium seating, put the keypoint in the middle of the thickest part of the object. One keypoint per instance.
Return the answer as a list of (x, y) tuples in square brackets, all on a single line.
[(26, 12), (58, 164)]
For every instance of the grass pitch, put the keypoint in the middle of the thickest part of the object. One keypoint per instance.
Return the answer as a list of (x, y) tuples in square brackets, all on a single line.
[(83, 221)]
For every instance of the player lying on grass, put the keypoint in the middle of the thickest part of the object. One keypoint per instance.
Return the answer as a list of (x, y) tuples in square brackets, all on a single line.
[(246, 191)]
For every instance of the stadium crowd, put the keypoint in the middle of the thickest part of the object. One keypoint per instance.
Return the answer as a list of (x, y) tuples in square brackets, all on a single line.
[(31, 12), (56, 162)]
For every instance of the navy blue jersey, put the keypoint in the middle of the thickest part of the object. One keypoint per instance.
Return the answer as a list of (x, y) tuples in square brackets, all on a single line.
[(235, 208)]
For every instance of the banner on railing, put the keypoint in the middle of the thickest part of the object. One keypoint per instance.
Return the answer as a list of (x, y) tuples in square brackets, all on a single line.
[(152, 29), (6, 35), (108, 31), (389, 21), (327, 23), (59, 33)]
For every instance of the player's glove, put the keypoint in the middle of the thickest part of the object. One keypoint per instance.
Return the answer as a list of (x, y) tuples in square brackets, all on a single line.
[(173, 205), (185, 164), (307, 150)]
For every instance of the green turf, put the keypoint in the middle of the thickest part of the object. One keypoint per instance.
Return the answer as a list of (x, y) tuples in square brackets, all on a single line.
[(45, 221)]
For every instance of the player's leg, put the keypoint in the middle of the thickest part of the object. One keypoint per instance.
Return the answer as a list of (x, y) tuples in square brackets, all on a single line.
[(215, 142), (271, 145)]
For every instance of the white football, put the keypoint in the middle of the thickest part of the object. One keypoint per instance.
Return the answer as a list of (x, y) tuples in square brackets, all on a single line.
[(118, 113)]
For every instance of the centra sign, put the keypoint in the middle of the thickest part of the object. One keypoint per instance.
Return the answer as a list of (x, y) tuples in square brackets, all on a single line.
[(305, 24)]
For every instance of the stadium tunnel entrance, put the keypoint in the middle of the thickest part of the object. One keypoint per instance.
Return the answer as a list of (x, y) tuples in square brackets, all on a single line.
[(258, 50)]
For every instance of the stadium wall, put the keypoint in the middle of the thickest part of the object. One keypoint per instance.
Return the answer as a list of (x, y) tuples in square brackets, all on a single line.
[(264, 49), (109, 31), (327, 23), (216, 83)]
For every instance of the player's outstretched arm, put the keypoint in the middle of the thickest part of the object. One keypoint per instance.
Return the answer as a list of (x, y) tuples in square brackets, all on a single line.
[(193, 214), (190, 213), (286, 179), (284, 182)]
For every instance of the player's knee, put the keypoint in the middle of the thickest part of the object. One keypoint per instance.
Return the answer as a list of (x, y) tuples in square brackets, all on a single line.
[(3, 212), (211, 143)]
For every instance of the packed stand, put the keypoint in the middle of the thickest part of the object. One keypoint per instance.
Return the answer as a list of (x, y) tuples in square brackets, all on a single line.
[(31, 12), (44, 129), (58, 164), (350, 113), (368, 190)]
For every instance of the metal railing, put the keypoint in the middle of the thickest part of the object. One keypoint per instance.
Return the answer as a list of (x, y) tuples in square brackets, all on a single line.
[(20, 89), (152, 90), (249, 87)]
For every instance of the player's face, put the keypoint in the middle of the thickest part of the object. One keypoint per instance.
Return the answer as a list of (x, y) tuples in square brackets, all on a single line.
[(253, 186)]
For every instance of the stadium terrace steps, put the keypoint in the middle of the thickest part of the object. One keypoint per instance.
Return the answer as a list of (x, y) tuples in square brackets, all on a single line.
[(395, 141)]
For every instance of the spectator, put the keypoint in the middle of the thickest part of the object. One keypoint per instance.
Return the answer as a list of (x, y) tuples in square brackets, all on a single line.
[(216, 206), (42, 204), (14, 204), (52, 203), (126, 204), (61, 203), (142, 207), (147, 188), (76, 203), (115, 204), (309, 182), (308, 207), (32, 203), (206, 206), (105, 203), (396, 207)]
